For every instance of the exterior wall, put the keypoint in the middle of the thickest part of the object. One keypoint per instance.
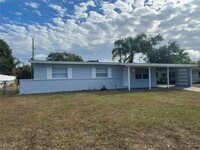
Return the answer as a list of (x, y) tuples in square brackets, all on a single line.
[(195, 77), (183, 77), (143, 83), (81, 79)]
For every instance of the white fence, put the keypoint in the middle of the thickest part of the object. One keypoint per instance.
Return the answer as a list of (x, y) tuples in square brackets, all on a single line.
[(9, 79)]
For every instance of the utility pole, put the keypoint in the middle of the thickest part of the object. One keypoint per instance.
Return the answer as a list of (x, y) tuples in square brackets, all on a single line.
[(33, 48)]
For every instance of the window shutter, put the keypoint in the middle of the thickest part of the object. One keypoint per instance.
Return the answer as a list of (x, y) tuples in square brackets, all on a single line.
[(109, 73), (49, 73), (69, 73), (93, 72)]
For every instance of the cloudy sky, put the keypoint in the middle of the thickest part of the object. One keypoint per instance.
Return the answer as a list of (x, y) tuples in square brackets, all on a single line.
[(89, 28)]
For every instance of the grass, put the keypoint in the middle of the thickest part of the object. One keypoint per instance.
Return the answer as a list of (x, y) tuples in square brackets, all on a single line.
[(163, 119), (196, 85)]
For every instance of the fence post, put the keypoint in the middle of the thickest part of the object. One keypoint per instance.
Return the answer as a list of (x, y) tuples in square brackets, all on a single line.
[(4, 88)]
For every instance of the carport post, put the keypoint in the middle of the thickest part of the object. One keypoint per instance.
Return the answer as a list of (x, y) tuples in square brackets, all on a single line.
[(190, 76), (149, 78), (167, 77), (129, 86)]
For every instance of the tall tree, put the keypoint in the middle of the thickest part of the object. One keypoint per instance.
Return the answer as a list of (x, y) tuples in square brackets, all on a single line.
[(171, 53), (120, 50), (7, 62), (56, 56), (23, 72), (129, 46)]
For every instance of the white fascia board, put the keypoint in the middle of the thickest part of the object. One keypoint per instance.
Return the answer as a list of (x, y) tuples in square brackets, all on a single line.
[(113, 63), (159, 65), (73, 63)]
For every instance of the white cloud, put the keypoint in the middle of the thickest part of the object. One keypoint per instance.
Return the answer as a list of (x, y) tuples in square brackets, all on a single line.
[(32, 4), (58, 8), (93, 38), (80, 10), (194, 54), (18, 13), (2, 1), (38, 13), (40, 56)]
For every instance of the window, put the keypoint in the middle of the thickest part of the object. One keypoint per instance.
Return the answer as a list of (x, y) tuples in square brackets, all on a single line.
[(145, 73), (101, 72), (141, 74), (138, 73), (199, 74), (59, 73)]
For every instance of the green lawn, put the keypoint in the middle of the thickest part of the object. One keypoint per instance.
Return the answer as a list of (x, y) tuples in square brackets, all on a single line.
[(157, 119), (196, 85)]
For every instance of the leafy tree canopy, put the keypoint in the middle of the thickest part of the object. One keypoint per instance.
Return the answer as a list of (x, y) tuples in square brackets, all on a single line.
[(23, 72), (56, 56), (7, 61), (125, 49), (198, 67)]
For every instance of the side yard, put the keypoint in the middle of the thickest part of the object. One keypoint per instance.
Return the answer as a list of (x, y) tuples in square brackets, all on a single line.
[(196, 85), (157, 119)]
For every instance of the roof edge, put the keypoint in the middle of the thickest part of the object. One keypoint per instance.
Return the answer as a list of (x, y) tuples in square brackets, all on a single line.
[(113, 63)]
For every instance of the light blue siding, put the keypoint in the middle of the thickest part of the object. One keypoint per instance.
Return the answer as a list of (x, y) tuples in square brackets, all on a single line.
[(143, 83), (81, 79), (78, 71), (46, 86)]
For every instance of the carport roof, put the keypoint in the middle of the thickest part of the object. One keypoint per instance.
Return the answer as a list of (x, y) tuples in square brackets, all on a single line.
[(113, 63)]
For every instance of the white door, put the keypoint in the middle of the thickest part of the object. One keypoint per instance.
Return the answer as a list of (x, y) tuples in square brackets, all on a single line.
[(125, 77)]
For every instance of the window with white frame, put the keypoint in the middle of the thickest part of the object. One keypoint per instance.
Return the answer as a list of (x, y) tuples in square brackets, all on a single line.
[(59, 73), (101, 72), (141, 73)]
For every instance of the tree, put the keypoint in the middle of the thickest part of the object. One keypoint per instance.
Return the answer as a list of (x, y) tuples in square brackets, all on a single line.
[(126, 48), (171, 53), (198, 67), (23, 72), (119, 50), (56, 56), (7, 61)]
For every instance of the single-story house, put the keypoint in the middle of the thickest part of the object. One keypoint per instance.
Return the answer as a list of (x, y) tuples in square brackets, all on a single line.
[(55, 76)]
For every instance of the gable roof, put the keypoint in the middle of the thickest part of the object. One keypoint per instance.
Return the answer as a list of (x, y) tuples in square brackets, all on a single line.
[(112, 63)]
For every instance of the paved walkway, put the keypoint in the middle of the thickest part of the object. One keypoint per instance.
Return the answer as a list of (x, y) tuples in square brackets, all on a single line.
[(195, 89)]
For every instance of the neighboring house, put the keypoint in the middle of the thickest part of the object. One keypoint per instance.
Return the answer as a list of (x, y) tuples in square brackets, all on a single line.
[(56, 76), (9, 79), (195, 76)]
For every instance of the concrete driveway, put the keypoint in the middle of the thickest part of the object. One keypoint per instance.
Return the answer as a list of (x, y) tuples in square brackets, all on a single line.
[(194, 89)]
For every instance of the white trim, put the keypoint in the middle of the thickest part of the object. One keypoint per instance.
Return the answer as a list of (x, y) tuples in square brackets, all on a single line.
[(49, 73), (129, 79), (109, 72), (93, 72), (149, 78), (113, 63), (69, 73)]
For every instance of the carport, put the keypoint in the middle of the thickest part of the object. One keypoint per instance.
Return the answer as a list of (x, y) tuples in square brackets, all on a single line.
[(183, 73)]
